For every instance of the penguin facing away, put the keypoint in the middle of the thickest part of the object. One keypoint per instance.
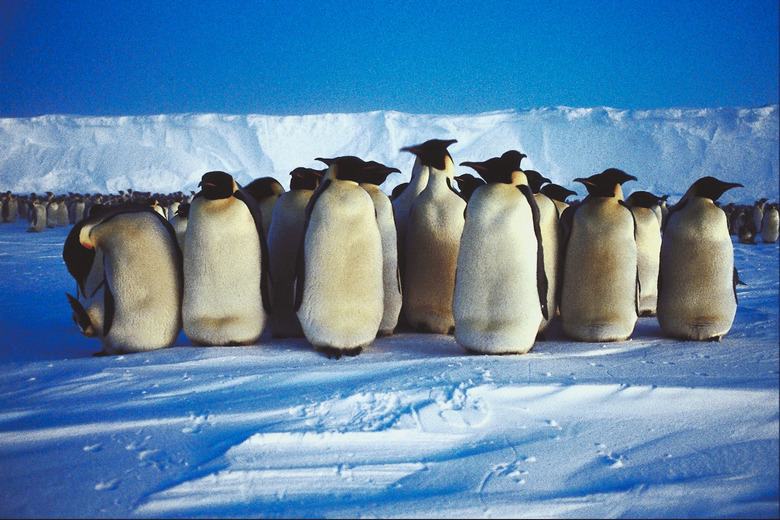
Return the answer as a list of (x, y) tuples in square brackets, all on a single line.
[(550, 237), (374, 175), (467, 183), (226, 288), (402, 204), (136, 306), (500, 288), (697, 297), (436, 221), (648, 244), (599, 285), (266, 191), (558, 194), (284, 240), (339, 289)]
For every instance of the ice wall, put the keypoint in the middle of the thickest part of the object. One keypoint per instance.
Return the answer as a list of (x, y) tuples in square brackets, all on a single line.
[(666, 149)]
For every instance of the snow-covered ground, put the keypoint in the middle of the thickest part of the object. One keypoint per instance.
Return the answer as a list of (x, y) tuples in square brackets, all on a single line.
[(412, 427)]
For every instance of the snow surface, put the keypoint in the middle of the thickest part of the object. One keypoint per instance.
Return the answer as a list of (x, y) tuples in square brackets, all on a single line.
[(414, 426), (666, 149)]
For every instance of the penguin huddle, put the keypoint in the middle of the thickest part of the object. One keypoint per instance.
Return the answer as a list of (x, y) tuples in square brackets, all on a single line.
[(336, 261)]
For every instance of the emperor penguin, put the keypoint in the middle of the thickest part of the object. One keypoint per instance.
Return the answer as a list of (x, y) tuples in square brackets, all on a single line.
[(758, 213), (436, 221), (127, 267), (402, 204), (284, 240), (374, 175), (769, 227), (339, 289), (697, 298), (10, 207), (500, 291), (648, 247), (599, 284), (37, 215), (558, 194), (467, 183), (266, 191), (179, 222), (550, 237), (226, 298)]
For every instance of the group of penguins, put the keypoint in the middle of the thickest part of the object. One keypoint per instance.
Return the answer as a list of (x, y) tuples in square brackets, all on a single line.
[(51, 211), (337, 261)]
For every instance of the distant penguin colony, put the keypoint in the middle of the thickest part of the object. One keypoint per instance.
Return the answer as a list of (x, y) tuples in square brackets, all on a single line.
[(493, 258)]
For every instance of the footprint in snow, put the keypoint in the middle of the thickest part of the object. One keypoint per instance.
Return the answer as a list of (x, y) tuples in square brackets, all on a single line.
[(108, 485)]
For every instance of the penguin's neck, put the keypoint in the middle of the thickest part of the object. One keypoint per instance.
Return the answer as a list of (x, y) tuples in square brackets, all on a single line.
[(420, 177), (439, 182), (519, 178)]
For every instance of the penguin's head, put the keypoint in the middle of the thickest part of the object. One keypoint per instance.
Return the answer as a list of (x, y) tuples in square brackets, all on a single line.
[(432, 153), (306, 178), (183, 210), (376, 173), (642, 199), (345, 168), (398, 190), (556, 192), (217, 185), (499, 169), (710, 188), (607, 183), (264, 187), (535, 180)]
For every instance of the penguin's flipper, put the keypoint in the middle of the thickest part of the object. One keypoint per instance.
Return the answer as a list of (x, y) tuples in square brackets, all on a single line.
[(82, 318), (736, 282), (300, 265), (265, 266), (637, 284), (110, 308), (565, 224), (541, 275)]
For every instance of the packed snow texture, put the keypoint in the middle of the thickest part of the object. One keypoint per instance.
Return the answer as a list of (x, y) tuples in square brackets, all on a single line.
[(666, 149), (412, 427)]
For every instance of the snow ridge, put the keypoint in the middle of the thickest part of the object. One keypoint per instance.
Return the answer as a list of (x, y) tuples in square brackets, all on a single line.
[(666, 149)]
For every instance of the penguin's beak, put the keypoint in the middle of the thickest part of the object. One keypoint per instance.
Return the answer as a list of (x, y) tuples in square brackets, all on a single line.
[(584, 181)]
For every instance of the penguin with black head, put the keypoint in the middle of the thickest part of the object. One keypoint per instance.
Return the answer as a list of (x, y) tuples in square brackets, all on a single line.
[(339, 288), (226, 282), (433, 236), (697, 297), (500, 288), (599, 285)]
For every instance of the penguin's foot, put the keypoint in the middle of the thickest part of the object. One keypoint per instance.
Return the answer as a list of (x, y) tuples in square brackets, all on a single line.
[(540, 337), (336, 353), (102, 353), (714, 338), (646, 313)]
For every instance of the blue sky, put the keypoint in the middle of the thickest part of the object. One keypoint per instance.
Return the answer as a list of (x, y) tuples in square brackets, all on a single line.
[(304, 57)]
